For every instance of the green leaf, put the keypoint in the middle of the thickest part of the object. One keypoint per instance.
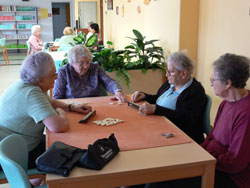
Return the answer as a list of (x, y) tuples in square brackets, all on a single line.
[(150, 42), (138, 34), (109, 43)]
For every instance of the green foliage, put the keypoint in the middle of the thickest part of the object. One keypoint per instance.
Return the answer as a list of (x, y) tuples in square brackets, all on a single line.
[(143, 54), (140, 54), (112, 61), (81, 39)]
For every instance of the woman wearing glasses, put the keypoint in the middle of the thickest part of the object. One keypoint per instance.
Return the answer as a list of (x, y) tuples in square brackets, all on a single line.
[(230, 139), (181, 99), (83, 78)]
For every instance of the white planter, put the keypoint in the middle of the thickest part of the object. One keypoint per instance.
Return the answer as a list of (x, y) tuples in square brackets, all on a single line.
[(149, 82)]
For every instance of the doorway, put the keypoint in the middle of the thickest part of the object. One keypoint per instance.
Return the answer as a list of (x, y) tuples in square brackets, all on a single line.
[(61, 18), (87, 11)]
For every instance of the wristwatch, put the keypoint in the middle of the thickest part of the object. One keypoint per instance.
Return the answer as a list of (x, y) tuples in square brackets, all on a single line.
[(70, 107)]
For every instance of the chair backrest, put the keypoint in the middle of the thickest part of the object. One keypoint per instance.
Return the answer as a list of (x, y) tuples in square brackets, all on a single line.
[(14, 161), (64, 48), (28, 45), (2, 42), (206, 117), (104, 91), (57, 39)]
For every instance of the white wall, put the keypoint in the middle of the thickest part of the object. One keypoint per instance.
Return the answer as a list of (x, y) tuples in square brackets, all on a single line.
[(223, 28), (46, 23), (158, 20)]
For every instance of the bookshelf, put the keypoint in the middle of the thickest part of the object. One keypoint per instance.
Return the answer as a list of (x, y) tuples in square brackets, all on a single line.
[(15, 25)]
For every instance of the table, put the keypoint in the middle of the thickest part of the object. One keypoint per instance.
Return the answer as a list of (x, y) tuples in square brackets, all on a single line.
[(58, 57), (141, 166)]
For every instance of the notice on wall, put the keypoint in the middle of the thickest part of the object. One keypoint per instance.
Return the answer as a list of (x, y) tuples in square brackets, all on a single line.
[(44, 12)]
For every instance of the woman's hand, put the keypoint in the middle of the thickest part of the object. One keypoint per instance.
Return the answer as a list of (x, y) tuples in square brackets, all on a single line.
[(147, 109), (120, 97), (80, 108), (137, 96)]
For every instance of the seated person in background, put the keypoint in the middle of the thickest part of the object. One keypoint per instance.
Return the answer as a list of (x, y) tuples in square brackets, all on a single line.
[(26, 109), (35, 41), (83, 78), (68, 38), (94, 29), (230, 139), (181, 99), (89, 33)]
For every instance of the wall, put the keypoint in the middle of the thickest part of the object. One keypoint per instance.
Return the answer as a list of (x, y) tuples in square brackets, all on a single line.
[(189, 20), (158, 20), (223, 27), (46, 23), (98, 9)]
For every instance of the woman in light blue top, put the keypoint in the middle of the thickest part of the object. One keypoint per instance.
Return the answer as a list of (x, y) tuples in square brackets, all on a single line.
[(181, 99), (68, 38)]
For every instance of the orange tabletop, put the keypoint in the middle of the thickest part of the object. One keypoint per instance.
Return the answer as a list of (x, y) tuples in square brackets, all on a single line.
[(178, 157), (136, 132)]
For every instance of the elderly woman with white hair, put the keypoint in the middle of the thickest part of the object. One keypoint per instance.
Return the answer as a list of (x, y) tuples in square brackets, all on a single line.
[(35, 41), (181, 99), (83, 78), (26, 109)]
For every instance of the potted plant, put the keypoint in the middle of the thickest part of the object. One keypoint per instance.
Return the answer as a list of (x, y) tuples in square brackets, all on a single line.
[(113, 61), (144, 55)]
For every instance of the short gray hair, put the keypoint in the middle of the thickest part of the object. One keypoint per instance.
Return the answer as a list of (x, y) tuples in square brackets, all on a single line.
[(90, 22), (36, 66), (181, 61), (77, 52), (233, 67), (35, 28)]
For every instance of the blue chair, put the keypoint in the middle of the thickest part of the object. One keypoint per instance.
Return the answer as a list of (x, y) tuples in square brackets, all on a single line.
[(104, 91), (14, 161), (206, 117), (3, 50), (64, 48), (57, 39)]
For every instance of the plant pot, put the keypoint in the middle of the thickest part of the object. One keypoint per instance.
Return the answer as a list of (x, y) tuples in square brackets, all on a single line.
[(148, 83)]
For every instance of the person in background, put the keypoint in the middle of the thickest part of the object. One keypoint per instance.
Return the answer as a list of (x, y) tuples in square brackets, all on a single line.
[(68, 38), (94, 29), (181, 99), (35, 41), (26, 109), (229, 141), (89, 33), (83, 78)]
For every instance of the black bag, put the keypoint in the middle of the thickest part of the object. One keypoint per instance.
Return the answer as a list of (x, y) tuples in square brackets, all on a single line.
[(100, 153), (60, 159)]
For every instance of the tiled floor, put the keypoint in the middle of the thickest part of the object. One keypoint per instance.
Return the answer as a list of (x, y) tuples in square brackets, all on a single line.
[(15, 58), (10, 73)]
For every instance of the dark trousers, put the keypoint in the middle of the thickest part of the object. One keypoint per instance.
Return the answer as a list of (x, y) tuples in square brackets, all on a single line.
[(36, 152), (221, 180)]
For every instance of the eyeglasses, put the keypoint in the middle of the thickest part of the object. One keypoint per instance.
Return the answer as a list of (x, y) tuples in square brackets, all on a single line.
[(212, 80), (171, 72)]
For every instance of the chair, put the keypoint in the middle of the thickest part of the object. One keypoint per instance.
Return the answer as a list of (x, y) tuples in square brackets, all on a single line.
[(64, 48), (4, 50), (14, 161), (57, 39), (206, 117), (104, 91), (28, 49)]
